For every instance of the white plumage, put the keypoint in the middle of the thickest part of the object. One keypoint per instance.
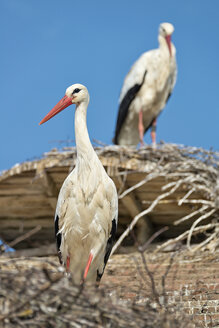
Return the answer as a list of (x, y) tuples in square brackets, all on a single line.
[(87, 207), (146, 90)]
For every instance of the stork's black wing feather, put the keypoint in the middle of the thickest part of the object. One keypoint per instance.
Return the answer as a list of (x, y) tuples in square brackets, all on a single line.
[(168, 97), (109, 247), (124, 106), (58, 237)]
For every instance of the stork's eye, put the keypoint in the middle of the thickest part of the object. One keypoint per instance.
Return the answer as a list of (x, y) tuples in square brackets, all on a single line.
[(76, 90)]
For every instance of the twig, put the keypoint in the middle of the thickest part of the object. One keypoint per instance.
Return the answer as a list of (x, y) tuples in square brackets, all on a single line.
[(150, 275), (174, 183), (199, 201), (181, 201), (139, 184), (183, 236), (98, 142), (122, 183), (25, 236), (187, 201), (138, 216), (165, 275), (206, 241), (149, 241), (203, 217), (189, 216), (29, 252)]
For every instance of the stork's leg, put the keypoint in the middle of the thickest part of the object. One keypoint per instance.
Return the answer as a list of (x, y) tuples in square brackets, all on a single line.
[(141, 127), (88, 265), (67, 263), (153, 132)]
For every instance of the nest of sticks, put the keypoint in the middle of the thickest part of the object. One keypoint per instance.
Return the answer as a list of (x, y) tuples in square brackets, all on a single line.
[(185, 176), (196, 169), (35, 293)]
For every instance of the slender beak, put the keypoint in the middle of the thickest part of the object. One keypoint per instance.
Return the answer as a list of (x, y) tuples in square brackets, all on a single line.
[(62, 104), (168, 40)]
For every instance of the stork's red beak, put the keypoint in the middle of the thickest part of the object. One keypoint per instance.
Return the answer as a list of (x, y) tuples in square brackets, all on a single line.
[(62, 104), (168, 40)]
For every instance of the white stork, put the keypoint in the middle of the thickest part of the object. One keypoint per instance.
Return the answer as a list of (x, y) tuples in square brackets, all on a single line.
[(87, 208), (145, 91)]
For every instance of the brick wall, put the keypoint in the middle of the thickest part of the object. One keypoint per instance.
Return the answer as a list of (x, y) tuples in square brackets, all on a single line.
[(191, 283)]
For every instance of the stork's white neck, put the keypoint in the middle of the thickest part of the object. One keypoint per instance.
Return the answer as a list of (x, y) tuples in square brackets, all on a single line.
[(85, 150)]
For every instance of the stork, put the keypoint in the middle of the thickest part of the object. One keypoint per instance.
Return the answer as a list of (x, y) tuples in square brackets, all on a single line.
[(87, 207), (145, 91)]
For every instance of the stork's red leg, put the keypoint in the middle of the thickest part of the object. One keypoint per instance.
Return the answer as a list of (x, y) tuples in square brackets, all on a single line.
[(153, 132), (88, 265), (141, 127), (67, 263)]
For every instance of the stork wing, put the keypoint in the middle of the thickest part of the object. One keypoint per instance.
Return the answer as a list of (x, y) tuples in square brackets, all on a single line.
[(124, 105), (132, 84), (109, 246), (61, 210), (136, 73), (171, 82), (58, 237), (173, 79)]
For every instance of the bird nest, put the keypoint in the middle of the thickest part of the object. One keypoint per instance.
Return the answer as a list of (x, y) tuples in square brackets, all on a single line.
[(36, 293), (171, 186), (194, 180)]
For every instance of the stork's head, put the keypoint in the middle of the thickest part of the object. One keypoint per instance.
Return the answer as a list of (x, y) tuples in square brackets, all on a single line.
[(75, 94), (165, 31)]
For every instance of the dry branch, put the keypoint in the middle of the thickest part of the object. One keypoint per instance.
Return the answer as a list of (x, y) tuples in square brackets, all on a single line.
[(25, 236), (148, 210), (192, 171), (201, 218), (184, 235), (29, 252), (189, 216)]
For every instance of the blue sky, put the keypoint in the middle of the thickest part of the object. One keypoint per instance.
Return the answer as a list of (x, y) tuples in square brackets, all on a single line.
[(48, 45)]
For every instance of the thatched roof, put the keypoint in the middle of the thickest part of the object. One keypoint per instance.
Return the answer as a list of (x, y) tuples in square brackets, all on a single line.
[(161, 186)]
